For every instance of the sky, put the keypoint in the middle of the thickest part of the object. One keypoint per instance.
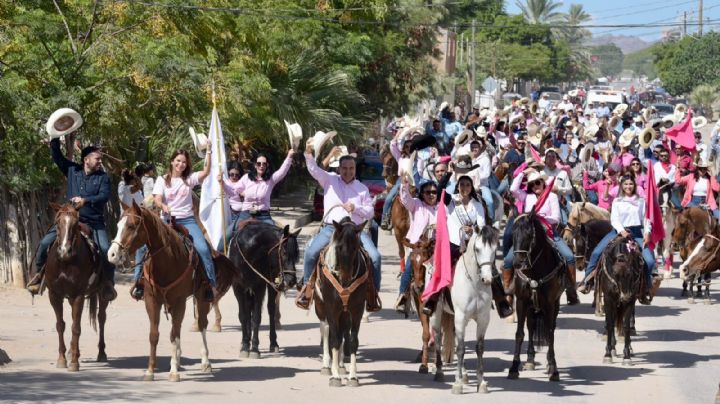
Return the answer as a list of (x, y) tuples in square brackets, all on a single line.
[(641, 11)]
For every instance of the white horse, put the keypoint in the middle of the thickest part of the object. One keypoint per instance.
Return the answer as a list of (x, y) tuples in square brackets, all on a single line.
[(472, 297), (666, 252)]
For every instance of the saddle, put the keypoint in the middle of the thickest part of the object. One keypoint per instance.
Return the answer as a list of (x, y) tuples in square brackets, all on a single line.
[(180, 229)]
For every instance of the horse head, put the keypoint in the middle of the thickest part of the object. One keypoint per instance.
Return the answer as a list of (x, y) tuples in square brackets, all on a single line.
[(390, 167), (346, 244), (704, 256), (67, 223), (484, 246), (681, 231), (527, 233), (289, 255), (131, 234), (422, 250), (623, 263)]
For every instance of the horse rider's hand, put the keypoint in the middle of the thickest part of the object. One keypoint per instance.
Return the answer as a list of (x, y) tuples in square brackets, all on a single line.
[(165, 209), (309, 146), (467, 229), (349, 207), (625, 233), (405, 179), (336, 151), (646, 240), (78, 202), (291, 153)]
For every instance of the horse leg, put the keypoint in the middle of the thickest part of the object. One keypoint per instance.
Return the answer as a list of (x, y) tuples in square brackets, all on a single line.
[(531, 322), (460, 324), (691, 292), (334, 338), (195, 327), (627, 353), (609, 331), (707, 289), (102, 317), (514, 371), (77, 305), (271, 306), (244, 318), (325, 333), (177, 315), (153, 310), (278, 325), (483, 320), (217, 326), (435, 322), (57, 305), (425, 322), (353, 343), (256, 318), (203, 309), (684, 292), (549, 329)]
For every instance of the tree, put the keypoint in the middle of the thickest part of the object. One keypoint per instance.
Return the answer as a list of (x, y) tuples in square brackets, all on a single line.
[(687, 63), (641, 63), (540, 11), (576, 16), (705, 95), (610, 59)]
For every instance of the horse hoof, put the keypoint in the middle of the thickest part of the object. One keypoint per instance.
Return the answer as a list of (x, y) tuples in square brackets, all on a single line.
[(102, 357), (457, 389), (325, 371), (61, 363), (607, 359), (244, 354), (707, 302), (439, 377), (353, 382), (217, 328), (174, 377), (513, 375), (613, 353), (206, 368), (254, 355), (555, 377), (423, 369), (482, 388), (691, 300), (465, 379), (148, 377), (275, 349), (529, 366), (667, 275), (366, 317), (194, 328), (627, 362), (335, 382), (73, 367)]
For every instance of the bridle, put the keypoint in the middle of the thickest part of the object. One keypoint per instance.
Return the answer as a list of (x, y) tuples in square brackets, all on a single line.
[(277, 286), (124, 249)]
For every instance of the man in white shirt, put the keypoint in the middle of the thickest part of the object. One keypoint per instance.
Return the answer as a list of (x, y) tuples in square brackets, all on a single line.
[(602, 111), (700, 147), (544, 102), (665, 178), (563, 186), (481, 175), (566, 105)]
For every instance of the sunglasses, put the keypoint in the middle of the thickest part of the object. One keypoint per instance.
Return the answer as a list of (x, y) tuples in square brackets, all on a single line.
[(430, 193), (635, 164), (231, 174), (261, 164), (536, 182)]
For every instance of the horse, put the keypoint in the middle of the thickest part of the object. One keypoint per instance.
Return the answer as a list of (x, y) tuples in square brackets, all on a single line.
[(341, 291), (585, 237), (702, 261), (70, 266), (172, 272), (665, 247), (580, 213), (620, 277), (266, 256), (472, 296), (537, 292), (390, 167), (399, 215), (691, 225)]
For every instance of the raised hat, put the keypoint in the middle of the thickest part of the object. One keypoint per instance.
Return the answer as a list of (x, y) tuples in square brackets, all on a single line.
[(294, 133), (63, 122), (200, 141)]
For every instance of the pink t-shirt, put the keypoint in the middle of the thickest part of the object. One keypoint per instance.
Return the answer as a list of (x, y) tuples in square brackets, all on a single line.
[(178, 197)]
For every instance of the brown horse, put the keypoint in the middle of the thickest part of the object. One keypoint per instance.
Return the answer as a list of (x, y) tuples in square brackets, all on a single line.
[(690, 226), (70, 266), (702, 261), (581, 213), (172, 272), (399, 215)]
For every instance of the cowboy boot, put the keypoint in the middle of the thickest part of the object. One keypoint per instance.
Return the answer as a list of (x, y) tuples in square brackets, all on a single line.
[(36, 282), (570, 289), (400, 304), (501, 304), (507, 280), (372, 301), (305, 295), (586, 286), (385, 223), (138, 290), (430, 305)]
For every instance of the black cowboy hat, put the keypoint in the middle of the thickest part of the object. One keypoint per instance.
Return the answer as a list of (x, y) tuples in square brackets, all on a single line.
[(421, 142)]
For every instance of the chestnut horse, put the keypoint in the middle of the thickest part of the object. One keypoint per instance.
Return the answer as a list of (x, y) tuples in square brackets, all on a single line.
[(702, 261), (172, 272), (690, 227), (581, 213), (399, 215), (70, 265)]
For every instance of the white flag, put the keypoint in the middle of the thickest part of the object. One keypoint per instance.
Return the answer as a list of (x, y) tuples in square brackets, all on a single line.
[(215, 212)]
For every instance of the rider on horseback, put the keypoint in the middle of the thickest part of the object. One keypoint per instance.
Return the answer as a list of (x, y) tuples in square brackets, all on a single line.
[(400, 156), (344, 196), (88, 188)]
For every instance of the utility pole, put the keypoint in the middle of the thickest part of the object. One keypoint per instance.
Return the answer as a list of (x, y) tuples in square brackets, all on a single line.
[(684, 31), (700, 17), (474, 67)]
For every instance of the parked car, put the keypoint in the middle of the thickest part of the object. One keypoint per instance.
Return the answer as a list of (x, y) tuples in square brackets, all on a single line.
[(369, 172), (664, 110)]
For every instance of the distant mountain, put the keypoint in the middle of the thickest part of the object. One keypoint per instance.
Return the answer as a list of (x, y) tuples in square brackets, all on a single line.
[(626, 43)]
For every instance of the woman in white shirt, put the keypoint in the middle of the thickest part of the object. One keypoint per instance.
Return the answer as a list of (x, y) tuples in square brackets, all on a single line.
[(129, 189), (627, 218)]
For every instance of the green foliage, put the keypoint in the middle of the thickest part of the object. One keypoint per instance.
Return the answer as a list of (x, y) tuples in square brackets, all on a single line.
[(540, 11), (687, 63), (705, 95), (641, 63), (610, 61)]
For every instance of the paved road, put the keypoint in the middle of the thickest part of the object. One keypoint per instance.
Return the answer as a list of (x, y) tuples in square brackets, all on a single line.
[(677, 357)]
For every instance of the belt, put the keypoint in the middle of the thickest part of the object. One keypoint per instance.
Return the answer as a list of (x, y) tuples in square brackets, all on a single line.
[(258, 212)]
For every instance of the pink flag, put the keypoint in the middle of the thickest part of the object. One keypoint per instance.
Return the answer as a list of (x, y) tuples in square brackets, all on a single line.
[(541, 201), (535, 154), (652, 210), (442, 275), (683, 133)]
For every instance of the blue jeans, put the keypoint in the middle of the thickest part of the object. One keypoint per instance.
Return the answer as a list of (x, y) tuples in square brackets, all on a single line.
[(201, 246), (675, 199), (487, 196), (100, 238), (239, 216), (507, 236), (503, 186), (390, 198), (322, 239), (647, 254), (406, 276), (592, 197), (699, 200), (493, 181), (560, 244)]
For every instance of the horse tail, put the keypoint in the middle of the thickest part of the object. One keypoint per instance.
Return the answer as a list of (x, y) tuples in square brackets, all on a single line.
[(93, 305), (447, 323), (540, 334)]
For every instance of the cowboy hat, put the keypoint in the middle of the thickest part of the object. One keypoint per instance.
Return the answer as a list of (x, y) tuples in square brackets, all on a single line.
[(335, 160), (702, 163), (668, 121), (481, 132), (586, 152), (524, 101), (614, 121), (626, 138), (515, 118), (574, 143), (320, 138), (680, 108), (200, 141), (646, 114), (536, 175), (620, 109), (443, 106), (464, 165), (422, 141), (534, 136), (295, 134), (699, 121), (591, 131), (63, 122), (647, 136), (463, 137), (406, 167)]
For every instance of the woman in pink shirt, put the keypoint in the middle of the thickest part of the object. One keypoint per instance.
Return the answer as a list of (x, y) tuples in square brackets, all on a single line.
[(638, 171), (606, 188)]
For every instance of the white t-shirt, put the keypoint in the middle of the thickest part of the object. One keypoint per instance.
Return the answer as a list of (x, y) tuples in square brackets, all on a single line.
[(178, 197), (701, 187)]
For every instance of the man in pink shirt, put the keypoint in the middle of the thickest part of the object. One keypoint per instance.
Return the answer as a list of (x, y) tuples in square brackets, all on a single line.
[(344, 196)]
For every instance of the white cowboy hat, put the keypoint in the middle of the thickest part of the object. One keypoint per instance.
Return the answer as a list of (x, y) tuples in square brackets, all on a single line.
[(335, 160), (536, 175), (295, 134), (463, 137), (443, 106), (200, 141), (626, 138), (699, 121), (481, 132), (63, 122), (586, 152), (680, 108), (534, 135), (647, 136), (591, 131), (574, 143), (319, 140), (702, 163), (620, 109), (406, 167), (669, 119)]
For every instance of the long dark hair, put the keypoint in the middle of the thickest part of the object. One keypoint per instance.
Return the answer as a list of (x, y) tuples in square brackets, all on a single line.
[(697, 173), (473, 194), (626, 178), (235, 165), (252, 175), (186, 172)]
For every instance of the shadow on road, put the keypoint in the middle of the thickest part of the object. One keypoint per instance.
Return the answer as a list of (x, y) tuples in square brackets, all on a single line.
[(254, 373), (675, 359), (163, 363), (677, 335)]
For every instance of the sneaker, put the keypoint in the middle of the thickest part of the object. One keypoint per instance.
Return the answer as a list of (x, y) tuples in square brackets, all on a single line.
[(386, 224)]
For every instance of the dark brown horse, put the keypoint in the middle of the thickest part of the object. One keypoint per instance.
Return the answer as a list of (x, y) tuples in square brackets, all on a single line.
[(539, 282), (620, 277), (690, 226), (172, 272), (399, 215), (70, 266), (702, 261), (341, 291)]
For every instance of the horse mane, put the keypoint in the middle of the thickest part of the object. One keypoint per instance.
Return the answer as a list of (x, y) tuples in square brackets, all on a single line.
[(166, 235), (489, 235)]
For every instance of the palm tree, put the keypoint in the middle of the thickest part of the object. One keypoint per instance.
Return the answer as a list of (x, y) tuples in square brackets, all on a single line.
[(540, 11), (575, 17)]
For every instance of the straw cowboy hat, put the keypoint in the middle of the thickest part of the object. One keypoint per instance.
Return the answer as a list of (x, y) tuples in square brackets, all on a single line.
[(63, 122), (668, 121), (614, 121), (320, 138), (591, 131), (295, 134), (626, 138), (699, 121), (702, 163), (463, 137), (586, 152), (620, 109), (534, 135), (464, 165), (481, 132), (200, 141), (536, 175), (524, 101), (680, 108), (335, 160), (406, 167), (647, 136)]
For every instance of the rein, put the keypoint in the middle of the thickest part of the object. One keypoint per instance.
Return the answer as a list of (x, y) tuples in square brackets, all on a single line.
[(343, 292), (279, 245), (535, 283)]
